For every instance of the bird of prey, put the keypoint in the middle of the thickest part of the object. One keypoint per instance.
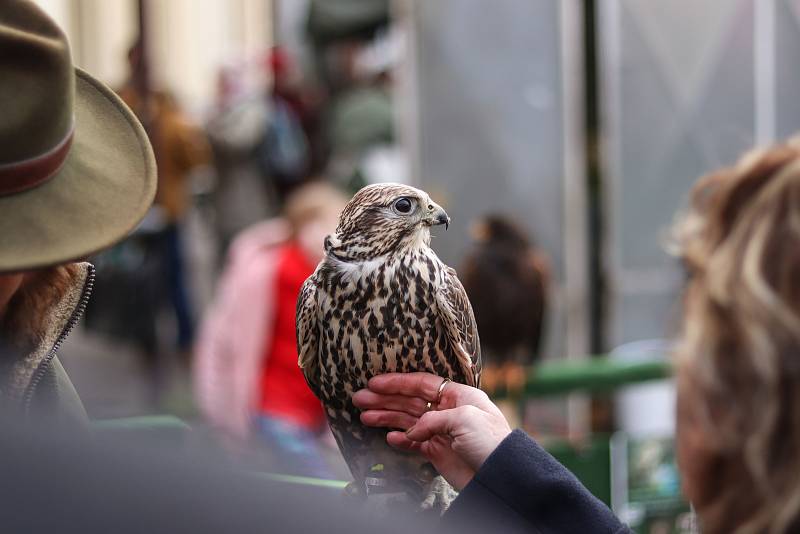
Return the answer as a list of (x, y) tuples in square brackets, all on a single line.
[(506, 278), (382, 301)]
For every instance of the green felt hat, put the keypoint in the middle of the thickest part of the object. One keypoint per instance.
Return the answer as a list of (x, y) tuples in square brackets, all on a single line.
[(77, 172)]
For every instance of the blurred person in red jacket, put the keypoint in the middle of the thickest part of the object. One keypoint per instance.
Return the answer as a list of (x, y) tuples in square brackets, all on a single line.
[(246, 374)]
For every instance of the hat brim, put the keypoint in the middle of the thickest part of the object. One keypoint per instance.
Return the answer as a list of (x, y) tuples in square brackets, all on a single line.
[(99, 196)]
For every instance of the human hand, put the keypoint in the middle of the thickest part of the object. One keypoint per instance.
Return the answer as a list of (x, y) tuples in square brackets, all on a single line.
[(456, 436)]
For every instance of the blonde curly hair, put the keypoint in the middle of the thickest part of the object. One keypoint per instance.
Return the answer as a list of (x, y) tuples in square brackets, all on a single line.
[(739, 360)]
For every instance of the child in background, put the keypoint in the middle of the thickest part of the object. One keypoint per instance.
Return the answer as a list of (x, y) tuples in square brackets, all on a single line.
[(246, 373)]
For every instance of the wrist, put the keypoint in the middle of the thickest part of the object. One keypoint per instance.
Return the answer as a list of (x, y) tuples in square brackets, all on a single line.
[(497, 438)]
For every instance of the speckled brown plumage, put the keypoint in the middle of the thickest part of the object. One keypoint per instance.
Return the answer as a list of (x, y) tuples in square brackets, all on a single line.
[(382, 301)]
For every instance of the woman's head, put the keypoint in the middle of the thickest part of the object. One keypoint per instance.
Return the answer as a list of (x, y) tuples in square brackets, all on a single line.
[(739, 362)]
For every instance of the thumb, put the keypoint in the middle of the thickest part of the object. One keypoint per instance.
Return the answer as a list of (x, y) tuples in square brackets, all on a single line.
[(439, 423)]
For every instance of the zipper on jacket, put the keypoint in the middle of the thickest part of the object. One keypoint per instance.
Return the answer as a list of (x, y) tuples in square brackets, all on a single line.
[(73, 321)]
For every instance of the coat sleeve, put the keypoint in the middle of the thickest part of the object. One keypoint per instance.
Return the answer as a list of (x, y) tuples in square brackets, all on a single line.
[(521, 488)]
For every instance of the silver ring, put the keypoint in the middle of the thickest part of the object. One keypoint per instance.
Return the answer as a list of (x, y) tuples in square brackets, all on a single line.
[(429, 406), (441, 390)]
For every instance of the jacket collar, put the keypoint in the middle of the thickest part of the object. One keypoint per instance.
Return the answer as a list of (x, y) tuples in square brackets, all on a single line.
[(22, 379)]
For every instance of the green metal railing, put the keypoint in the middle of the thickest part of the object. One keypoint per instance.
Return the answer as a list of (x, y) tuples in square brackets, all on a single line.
[(591, 375), (303, 481)]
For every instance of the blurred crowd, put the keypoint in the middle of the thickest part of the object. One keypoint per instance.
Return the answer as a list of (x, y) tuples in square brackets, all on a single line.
[(129, 173), (286, 141), (282, 147)]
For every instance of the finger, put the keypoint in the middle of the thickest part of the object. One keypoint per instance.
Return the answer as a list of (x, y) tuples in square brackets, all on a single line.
[(399, 440), (368, 400), (426, 386), (423, 385), (388, 419), (439, 423)]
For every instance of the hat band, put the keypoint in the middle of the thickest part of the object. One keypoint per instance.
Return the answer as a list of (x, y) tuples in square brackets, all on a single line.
[(23, 175)]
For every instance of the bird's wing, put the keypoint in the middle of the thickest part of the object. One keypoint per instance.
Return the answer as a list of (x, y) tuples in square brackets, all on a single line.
[(307, 325), (459, 321)]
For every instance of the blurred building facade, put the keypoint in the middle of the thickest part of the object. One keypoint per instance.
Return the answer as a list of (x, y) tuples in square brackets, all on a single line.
[(188, 39), (681, 96)]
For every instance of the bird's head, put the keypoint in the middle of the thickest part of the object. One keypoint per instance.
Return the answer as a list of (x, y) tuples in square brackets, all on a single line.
[(497, 229), (385, 218)]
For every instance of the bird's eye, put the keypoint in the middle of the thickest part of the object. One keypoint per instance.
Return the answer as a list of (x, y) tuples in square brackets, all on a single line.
[(403, 205)]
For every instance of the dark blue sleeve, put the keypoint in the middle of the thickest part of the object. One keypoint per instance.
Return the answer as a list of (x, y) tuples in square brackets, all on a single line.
[(521, 487)]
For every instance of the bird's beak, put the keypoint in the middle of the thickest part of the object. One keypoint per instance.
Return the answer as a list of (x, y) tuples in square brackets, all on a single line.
[(437, 216)]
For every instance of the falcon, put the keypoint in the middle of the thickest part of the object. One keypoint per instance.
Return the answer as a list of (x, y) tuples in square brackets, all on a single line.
[(382, 301)]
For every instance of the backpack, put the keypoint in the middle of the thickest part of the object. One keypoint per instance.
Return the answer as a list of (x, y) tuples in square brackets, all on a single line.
[(284, 154)]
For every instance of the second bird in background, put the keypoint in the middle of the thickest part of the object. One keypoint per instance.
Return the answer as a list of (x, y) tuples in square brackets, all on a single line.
[(507, 280)]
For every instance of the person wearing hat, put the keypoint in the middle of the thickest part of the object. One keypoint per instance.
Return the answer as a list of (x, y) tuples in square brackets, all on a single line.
[(77, 174)]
